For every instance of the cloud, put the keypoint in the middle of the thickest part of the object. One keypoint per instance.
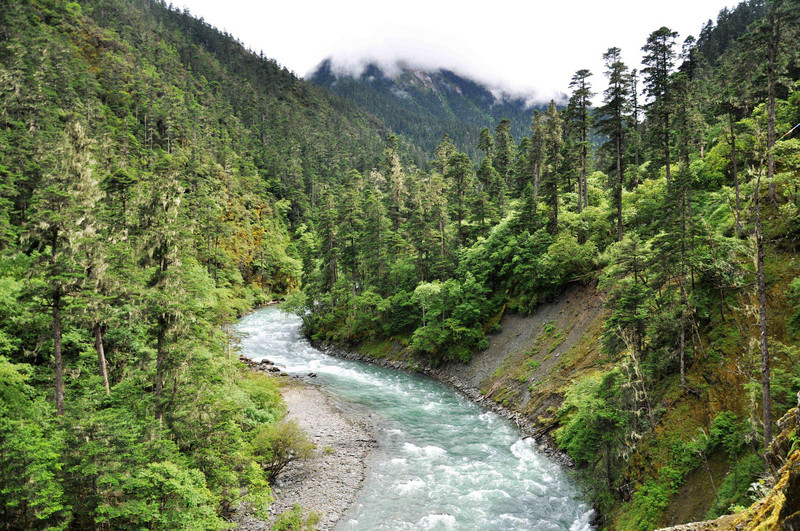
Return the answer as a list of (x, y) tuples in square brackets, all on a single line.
[(529, 48), (394, 52)]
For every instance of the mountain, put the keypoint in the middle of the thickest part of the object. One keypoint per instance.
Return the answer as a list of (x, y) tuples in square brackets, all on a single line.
[(423, 105)]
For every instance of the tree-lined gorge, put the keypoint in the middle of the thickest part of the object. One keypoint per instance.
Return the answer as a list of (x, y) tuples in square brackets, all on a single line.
[(158, 180)]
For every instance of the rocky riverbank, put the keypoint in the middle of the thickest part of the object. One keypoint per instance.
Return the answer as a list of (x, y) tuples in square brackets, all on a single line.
[(327, 482)]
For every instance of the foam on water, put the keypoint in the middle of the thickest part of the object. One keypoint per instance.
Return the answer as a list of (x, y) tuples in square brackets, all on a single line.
[(442, 462), (438, 521)]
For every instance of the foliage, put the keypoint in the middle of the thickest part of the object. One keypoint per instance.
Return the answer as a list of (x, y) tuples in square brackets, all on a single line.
[(295, 519), (276, 445), (157, 180)]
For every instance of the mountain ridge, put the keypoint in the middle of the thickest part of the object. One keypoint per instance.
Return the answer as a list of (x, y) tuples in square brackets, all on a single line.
[(425, 104)]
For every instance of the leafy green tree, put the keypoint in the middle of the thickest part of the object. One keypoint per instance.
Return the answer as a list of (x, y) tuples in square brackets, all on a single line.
[(442, 154), (592, 423), (277, 444), (536, 155), (486, 142), (161, 216), (492, 192), (769, 50), (635, 113), (32, 494), (503, 155), (460, 185), (61, 221), (396, 191)]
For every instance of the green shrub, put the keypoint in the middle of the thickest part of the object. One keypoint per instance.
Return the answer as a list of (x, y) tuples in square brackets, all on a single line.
[(275, 445), (295, 519)]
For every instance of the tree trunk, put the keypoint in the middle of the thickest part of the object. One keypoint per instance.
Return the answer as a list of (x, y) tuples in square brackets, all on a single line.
[(585, 191), (159, 384), (772, 57), (684, 303), (584, 156), (441, 236), (101, 356), (762, 320), (619, 184), (59, 368), (735, 170), (684, 299), (666, 148)]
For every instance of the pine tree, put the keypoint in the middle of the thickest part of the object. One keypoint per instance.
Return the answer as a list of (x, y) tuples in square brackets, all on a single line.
[(396, 192), (376, 231), (770, 42), (579, 116), (161, 216), (729, 99), (61, 220), (491, 193), (504, 151), (442, 154), (486, 143), (536, 156), (635, 112), (350, 219), (460, 183), (612, 121), (553, 142), (659, 59)]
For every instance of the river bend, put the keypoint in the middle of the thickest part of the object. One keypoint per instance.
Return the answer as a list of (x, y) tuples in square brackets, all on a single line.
[(442, 462)]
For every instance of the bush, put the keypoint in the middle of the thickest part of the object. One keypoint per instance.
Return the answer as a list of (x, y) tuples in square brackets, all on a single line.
[(275, 445), (295, 519)]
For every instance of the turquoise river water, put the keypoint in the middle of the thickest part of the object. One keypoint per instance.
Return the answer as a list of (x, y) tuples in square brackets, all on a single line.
[(441, 462)]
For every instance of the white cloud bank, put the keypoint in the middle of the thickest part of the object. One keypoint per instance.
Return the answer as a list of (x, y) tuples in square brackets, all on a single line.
[(520, 47)]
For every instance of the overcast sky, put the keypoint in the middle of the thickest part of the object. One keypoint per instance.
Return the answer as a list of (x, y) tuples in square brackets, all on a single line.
[(526, 47)]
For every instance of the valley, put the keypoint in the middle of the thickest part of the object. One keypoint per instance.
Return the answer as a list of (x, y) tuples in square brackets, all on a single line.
[(608, 280)]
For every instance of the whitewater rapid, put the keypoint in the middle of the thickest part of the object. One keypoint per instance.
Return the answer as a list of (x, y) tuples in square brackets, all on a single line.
[(442, 462)]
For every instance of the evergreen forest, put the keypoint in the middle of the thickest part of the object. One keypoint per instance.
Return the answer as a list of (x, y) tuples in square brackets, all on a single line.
[(158, 180)]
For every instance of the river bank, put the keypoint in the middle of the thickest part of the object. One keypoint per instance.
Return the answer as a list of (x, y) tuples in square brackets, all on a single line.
[(327, 482), (442, 460)]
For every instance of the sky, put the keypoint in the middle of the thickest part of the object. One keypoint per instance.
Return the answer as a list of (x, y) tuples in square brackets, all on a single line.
[(530, 47)]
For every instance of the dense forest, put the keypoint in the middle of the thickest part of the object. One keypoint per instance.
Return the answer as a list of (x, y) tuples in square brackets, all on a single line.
[(151, 170), (159, 180), (676, 197)]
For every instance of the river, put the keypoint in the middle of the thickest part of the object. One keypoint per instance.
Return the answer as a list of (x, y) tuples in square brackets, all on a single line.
[(442, 462)]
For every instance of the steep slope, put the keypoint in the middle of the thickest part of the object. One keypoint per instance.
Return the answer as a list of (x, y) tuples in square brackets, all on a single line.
[(679, 385), (297, 133), (150, 172), (424, 105), (530, 362)]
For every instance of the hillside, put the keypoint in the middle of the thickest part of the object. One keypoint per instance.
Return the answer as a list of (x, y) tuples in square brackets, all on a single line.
[(637, 300), (151, 173), (424, 105), (682, 224)]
